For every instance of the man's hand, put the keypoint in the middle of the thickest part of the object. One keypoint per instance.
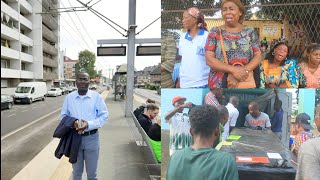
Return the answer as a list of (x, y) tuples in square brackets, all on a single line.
[(82, 125)]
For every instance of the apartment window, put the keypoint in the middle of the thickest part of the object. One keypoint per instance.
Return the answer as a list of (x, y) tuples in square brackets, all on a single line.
[(23, 66), (4, 64)]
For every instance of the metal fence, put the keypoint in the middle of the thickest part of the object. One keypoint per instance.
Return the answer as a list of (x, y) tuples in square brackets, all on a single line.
[(295, 21)]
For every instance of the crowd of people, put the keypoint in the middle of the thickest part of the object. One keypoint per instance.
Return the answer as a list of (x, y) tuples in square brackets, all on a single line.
[(231, 56), (196, 132)]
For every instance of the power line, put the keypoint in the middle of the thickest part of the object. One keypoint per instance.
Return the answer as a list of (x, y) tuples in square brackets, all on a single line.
[(76, 27), (101, 15), (87, 34)]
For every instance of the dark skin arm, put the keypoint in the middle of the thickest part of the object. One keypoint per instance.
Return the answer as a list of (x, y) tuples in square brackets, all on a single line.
[(238, 72), (171, 113)]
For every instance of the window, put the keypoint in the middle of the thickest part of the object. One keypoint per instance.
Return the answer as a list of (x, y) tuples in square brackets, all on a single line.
[(4, 64), (23, 66)]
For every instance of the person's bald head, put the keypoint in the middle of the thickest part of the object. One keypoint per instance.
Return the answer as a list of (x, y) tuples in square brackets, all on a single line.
[(223, 114), (254, 109), (234, 100)]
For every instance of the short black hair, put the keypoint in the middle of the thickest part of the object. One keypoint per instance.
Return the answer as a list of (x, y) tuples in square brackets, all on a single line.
[(82, 72), (223, 111), (204, 120)]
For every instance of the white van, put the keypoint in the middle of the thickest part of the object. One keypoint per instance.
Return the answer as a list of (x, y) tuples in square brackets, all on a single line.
[(30, 91)]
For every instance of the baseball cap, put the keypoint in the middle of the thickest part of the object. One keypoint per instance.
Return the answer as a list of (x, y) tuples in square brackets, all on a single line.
[(177, 98), (304, 119)]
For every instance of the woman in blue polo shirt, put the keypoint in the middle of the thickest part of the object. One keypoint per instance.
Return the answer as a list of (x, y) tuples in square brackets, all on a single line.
[(193, 70)]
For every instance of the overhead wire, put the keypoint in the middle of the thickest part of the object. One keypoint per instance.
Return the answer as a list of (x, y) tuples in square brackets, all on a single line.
[(88, 35)]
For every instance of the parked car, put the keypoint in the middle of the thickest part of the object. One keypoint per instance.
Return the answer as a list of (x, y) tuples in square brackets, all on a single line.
[(30, 91), (6, 101), (71, 88), (55, 92), (93, 87), (64, 90)]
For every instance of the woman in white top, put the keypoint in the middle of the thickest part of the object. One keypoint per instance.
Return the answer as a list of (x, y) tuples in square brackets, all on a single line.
[(194, 70)]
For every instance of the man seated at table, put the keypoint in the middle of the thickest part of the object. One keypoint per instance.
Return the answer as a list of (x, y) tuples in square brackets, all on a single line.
[(201, 161), (256, 119)]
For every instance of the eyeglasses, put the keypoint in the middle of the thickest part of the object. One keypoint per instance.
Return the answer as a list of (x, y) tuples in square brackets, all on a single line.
[(83, 80)]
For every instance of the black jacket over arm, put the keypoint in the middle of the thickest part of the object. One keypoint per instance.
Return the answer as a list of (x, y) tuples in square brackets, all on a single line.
[(70, 140)]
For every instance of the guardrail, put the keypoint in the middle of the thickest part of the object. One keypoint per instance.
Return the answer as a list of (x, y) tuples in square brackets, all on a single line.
[(154, 168), (145, 137)]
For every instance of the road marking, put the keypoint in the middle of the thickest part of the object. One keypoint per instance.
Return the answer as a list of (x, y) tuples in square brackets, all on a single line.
[(10, 116), (103, 94), (29, 124)]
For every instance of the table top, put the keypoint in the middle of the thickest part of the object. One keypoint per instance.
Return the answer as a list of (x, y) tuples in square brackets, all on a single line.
[(257, 143)]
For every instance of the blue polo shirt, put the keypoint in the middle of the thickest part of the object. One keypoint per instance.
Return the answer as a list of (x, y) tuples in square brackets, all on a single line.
[(194, 69)]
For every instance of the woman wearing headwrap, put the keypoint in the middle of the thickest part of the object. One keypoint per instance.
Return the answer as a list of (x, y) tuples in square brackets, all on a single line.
[(193, 70)]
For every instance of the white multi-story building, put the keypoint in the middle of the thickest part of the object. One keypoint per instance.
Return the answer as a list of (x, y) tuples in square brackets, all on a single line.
[(29, 41)]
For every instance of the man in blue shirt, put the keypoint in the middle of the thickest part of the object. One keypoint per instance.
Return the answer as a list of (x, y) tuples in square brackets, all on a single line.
[(276, 119), (91, 112)]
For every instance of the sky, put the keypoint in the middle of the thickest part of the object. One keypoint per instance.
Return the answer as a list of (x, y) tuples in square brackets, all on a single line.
[(75, 37)]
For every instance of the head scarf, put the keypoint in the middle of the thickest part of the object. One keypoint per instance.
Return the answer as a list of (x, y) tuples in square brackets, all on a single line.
[(195, 12)]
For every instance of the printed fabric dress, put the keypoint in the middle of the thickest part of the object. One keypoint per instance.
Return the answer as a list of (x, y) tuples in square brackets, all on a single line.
[(289, 73), (240, 48), (310, 80)]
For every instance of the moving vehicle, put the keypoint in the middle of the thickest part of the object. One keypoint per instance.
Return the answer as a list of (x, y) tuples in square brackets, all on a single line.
[(6, 101), (55, 92), (30, 91), (71, 88), (93, 87), (64, 90)]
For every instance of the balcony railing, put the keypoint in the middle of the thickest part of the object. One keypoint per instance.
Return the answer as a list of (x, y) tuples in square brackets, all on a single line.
[(25, 22), (10, 32), (49, 21), (10, 73), (50, 62), (26, 74), (26, 5), (48, 34), (9, 53), (9, 11), (50, 76), (25, 39), (49, 48)]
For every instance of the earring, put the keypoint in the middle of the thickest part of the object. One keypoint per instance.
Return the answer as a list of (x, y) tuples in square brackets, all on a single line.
[(272, 53), (200, 24)]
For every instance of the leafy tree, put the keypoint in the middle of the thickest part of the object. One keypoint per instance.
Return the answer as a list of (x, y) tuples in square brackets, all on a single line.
[(172, 10), (86, 63), (307, 14)]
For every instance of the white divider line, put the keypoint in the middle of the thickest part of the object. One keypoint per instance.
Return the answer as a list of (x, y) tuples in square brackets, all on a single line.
[(29, 124), (104, 95)]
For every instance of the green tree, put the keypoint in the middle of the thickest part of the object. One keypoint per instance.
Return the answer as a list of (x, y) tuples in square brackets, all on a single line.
[(302, 12), (172, 10), (86, 63)]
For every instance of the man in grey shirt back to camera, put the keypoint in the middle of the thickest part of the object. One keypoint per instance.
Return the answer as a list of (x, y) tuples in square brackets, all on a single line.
[(309, 156)]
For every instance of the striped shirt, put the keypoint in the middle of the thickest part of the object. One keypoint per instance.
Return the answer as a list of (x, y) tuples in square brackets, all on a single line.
[(210, 99)]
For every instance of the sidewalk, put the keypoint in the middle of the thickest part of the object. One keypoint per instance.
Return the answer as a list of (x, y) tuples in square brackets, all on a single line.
[(120, 157)]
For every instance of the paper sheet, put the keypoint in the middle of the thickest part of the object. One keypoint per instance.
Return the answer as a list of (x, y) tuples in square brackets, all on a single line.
[(274, 155), (234, 137)]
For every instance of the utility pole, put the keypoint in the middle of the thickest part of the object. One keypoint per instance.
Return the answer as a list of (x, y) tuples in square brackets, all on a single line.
[(131, 56)]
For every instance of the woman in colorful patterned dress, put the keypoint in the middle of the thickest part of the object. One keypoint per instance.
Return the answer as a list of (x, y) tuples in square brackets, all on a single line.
[(279, 71), (241, 45), (311, 67)]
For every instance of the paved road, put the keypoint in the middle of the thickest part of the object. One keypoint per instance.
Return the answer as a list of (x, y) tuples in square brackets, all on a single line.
[(22, 114), (146, 93), (22, 146)]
